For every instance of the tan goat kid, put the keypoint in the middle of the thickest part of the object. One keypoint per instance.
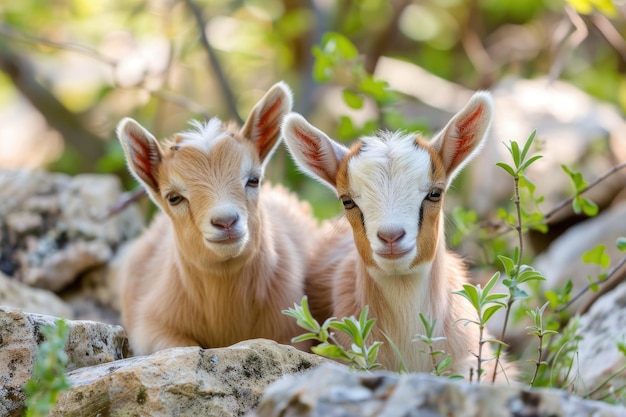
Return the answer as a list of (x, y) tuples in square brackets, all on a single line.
[(226, 255), (394, 259)]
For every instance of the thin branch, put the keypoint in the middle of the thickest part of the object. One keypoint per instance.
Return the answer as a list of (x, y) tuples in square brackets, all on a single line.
[(612, 35), (606, 287), (214, 62), (60, 118), (588, 287), (570, 43), (384, 39), (124, 201), (490, 224), (595, 182)]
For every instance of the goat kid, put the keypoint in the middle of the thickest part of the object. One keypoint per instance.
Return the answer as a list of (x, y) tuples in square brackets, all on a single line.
[(226, 255), (392, 188)]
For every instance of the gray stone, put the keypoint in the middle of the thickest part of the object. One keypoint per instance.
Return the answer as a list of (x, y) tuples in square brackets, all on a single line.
[(33, 300), (51, 225), (89, 343), (602, 327), (331, 390), (183, 381), (562, 259)]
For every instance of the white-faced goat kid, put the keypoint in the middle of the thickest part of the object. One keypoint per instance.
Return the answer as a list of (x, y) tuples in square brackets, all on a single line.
[(394, 259), (226, 255)]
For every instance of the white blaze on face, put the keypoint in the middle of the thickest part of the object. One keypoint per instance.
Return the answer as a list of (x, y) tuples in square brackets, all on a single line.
[(389, 179)]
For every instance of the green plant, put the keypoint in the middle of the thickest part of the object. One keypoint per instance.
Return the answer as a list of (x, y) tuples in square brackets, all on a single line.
[(486, 304), (538, 329), (48, 379), (440, 366), (360, 355)]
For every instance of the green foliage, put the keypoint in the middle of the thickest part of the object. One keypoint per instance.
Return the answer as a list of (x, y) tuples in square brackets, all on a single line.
[(360, 355), (48, 379), (440, 366), (580, 204), (538, 329)]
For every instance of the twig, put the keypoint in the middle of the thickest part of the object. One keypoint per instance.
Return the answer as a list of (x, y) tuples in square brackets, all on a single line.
[(606, 287), (215, 63), (606, 381), (588, 287), (124, 201), (384, 38), (570, 43), (595, 182), (612, 36), (560, 206)]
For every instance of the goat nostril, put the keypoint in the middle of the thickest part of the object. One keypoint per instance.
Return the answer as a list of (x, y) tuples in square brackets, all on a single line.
[(391, 236), (225, 222)]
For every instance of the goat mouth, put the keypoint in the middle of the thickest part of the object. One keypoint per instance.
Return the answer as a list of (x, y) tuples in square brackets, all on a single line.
[(393, 255), (226, 240)]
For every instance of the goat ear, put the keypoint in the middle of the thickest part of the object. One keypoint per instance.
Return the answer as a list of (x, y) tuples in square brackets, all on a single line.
[(463, 136), (143, 152), (263, 124), (314, 152)]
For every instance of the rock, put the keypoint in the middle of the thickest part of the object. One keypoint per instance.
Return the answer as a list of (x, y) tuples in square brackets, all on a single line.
[(33, 300), (50, 230), (330, 390), (562, 260), (183, 381), (89, 343), (602, 327)]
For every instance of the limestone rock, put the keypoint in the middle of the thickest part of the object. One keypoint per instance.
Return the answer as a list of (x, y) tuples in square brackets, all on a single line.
[(183, 381), (330, 390), (50, 229), (602, 327), (33, 300), (89, 343), (562, 259)]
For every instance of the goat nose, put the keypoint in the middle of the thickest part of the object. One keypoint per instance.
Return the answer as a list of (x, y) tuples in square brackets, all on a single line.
[(391, 235), (225, 222)]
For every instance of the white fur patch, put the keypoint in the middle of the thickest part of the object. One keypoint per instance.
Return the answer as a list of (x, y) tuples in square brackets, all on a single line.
[(389, 178), (204, 135)]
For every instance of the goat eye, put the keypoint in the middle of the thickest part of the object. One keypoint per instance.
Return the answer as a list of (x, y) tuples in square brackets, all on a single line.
[(174, 199), (434, 195), (348, 203), (253, 182)]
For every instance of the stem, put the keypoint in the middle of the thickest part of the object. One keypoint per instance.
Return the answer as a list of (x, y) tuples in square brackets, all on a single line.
[(432, 357), (480, 353), (606, 381), (597, 282), (520, 237), (538, 364)]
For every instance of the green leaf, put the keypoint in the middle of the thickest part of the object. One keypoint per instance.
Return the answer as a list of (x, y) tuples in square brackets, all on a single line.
[(508, 264), (443, 365), (589, 207), (352, 99), (492, 282), (528, 144), (375, 88), (330, 351), (530, 161), (507, 168), (516, 154), (305, 336), (346, 129), (490, 311), (597, 256), (621, 243), (577, 205), (338, 45)]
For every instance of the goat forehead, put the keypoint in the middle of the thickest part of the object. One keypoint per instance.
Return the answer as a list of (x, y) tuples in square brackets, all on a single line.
[(390, 169), (203, 135), (229, 163)]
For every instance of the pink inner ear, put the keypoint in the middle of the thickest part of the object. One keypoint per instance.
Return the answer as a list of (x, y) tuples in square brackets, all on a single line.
[(464, 144), (143, 159), (312, 151), (267, 126)]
